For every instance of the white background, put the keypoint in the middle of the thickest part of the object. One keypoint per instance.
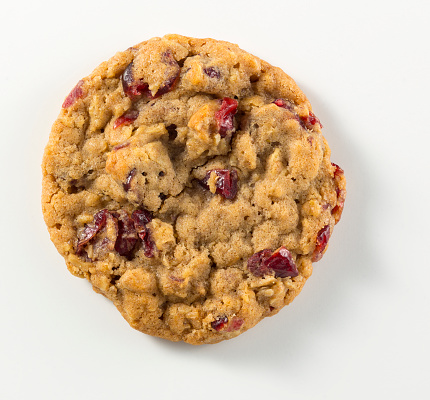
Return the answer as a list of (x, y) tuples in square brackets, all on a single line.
[(360, 328)]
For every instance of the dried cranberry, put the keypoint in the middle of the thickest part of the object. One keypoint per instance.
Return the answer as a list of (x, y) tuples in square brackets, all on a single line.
[(338, 208), (219, 323), (235, 324), (148, 245), (127, 183), (91, 230), (226, 184), (136, 88), (341, 193), (224, 116), (337, 170), (212, 72), (104, 242), (256, 263), (141, 218), (127, 78), (132, 88), (306, 122), (172, 73), (322, 239), (168, 59), (288, 106), (280, 262), (127, 233), (126, 119), (311, 120), (75, 94), (127, 236), (284, 104)]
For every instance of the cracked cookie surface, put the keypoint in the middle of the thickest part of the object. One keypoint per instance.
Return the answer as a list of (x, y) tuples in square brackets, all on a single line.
[(190, 183)]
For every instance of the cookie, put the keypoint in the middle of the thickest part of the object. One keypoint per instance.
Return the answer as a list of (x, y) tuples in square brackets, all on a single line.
[(189, 182)]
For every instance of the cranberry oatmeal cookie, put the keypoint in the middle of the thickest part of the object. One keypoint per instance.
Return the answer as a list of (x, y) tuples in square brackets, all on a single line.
[(190, 183)]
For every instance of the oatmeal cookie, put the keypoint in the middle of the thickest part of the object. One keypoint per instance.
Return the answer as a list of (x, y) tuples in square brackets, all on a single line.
[(189, 182)]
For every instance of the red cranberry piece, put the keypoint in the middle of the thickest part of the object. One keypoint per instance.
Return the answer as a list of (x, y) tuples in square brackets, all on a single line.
[(219, 323), (311, 120), (141, 218), (283, 104), (306, 122), (127, 236), (136, 88), (338, 172), (132, 88), (256, 263), (212, 72), (225, 115), (322, 240), (172, 74), (288, 106), (105, 244), (127, 183), (338, 208), (341, 193), (126, 119), (91, 230), (127, 78), (226, 184), (75, 94), (148, 245), (235, 324), (128, 231), (280, 262)]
